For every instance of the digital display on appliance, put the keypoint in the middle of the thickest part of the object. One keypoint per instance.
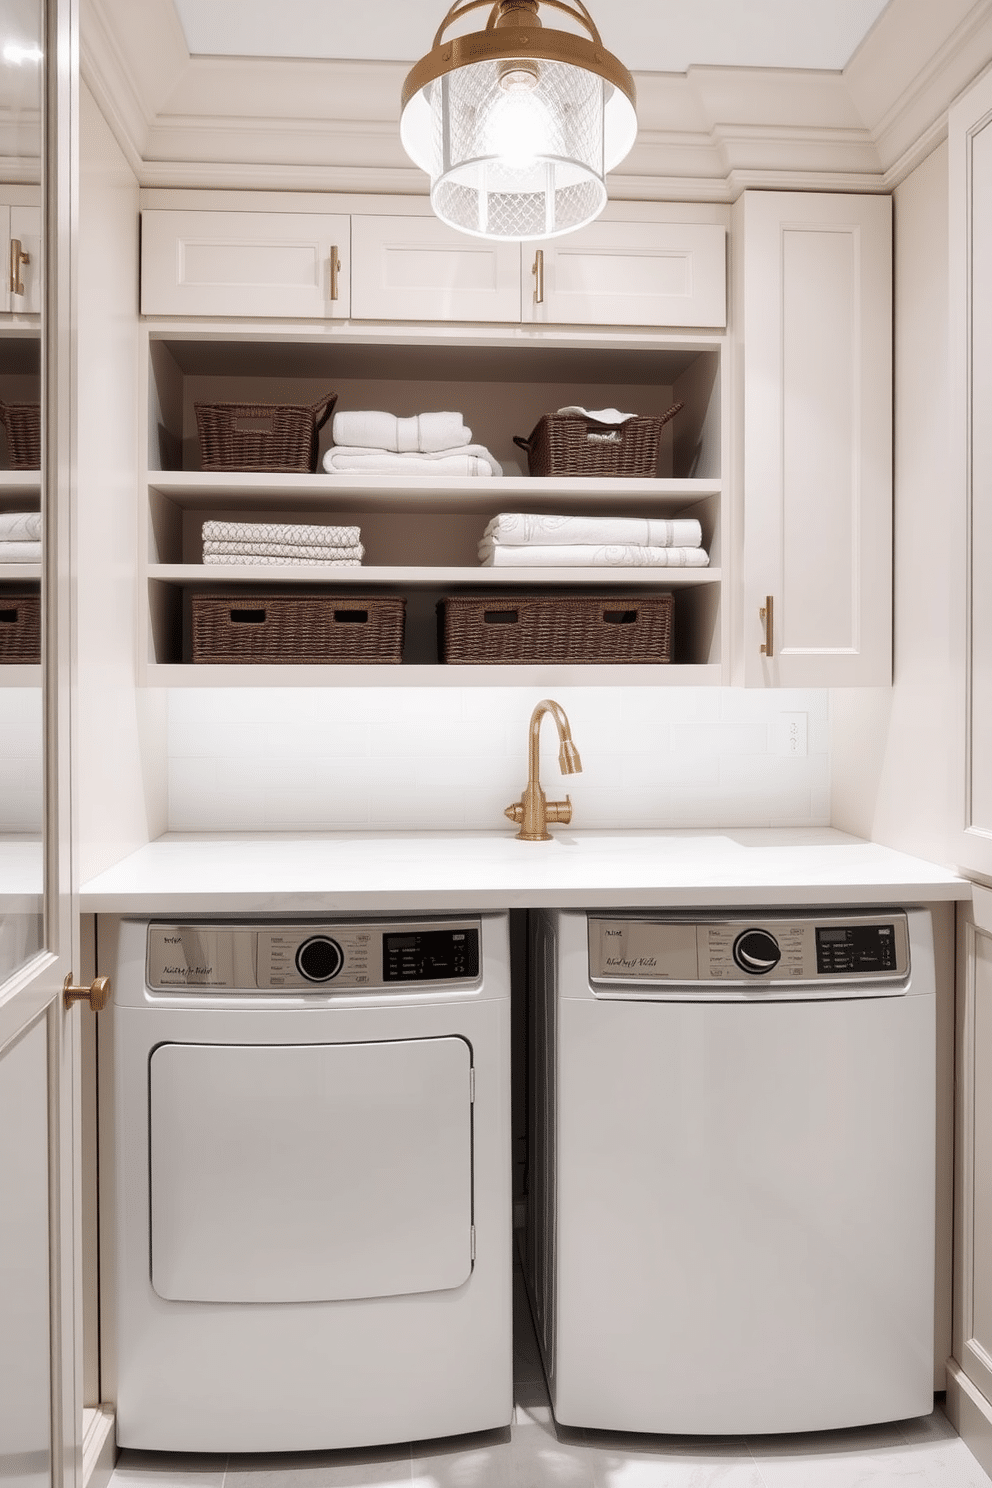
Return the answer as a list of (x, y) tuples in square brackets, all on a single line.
[(855, 949), (430, 955)]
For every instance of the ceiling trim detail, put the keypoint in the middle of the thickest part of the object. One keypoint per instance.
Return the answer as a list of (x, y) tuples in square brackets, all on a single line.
[(704, 135)]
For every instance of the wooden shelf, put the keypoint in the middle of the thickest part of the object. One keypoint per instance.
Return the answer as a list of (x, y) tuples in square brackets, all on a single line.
[(25, 573), (175, 675), (20, 483), (193, 574), (17, 674), (203, 491)]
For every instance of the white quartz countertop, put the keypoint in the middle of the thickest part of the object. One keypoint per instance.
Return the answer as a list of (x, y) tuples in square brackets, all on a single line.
[(283, 873)]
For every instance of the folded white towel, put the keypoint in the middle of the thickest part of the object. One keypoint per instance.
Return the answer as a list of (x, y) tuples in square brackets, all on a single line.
[(516, 528), (425, 433), (601, 415), (259, 560), (280, 532), (20, 552), (577, 555), (20, 526), (474, 459), (237, 550)]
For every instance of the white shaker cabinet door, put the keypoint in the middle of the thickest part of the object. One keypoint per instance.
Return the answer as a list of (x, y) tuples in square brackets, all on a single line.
[(973, 1178), (629, 274), (272, 264), (816, 361), (417, 268)]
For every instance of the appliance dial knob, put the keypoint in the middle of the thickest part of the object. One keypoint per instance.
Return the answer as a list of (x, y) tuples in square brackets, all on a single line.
[(319, 959), (757, 952)]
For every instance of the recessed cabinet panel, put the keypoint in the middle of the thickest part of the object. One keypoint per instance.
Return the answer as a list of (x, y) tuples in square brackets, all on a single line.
[(277, 264), (416, 268), (817, 432), (629, 274)]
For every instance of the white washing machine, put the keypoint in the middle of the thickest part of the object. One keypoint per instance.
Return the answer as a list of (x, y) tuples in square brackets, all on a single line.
[(732, 1168), (306, 1182)]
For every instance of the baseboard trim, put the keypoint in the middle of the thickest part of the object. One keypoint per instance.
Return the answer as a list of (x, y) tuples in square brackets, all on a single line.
[(99, 1446), (970, 1414)]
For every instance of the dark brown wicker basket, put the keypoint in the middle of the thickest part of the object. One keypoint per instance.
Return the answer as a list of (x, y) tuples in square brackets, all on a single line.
[(23, 424), (261, 436), (20, 626), (572, 628), (253, 626), (570, 444)]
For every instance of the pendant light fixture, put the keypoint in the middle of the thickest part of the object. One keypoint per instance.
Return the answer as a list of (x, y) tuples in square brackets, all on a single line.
[(517, 125)]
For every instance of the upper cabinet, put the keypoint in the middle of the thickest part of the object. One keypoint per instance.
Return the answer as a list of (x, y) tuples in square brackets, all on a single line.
[(814, 419), (20, 231), (629, 273), (246, 264), (414, 268)]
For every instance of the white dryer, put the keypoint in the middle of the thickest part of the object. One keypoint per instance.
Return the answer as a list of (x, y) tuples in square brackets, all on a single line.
[(306, 1182), (732, 1171)]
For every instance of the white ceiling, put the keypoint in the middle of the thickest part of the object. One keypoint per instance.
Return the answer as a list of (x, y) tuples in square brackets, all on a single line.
[(647, 35)]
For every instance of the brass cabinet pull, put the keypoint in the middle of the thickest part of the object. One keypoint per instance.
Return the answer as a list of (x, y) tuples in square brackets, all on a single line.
[(17, 259), (335, 270), (767, 613), (538, 272), (97, 994)]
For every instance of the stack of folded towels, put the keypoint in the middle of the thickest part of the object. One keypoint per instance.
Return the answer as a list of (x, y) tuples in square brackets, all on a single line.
[(518, 539), (372, 443), (281, 542), (20, 537)]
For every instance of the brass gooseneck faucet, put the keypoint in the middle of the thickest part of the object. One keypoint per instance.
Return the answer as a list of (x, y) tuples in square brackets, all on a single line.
[(533, 811)]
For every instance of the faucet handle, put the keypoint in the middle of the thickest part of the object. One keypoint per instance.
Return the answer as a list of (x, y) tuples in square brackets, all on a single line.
[(560, 811), (515, 812)]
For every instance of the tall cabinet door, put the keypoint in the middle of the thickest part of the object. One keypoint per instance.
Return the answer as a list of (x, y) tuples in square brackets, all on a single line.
[(816, 359), (970, 486)]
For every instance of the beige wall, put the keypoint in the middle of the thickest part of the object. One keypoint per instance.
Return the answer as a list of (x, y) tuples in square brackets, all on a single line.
[(894, 753)]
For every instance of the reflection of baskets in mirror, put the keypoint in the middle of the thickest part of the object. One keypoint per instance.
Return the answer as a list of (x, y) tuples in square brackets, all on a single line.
[(261, 436), (574, 444), (20, 627), (22, 422)]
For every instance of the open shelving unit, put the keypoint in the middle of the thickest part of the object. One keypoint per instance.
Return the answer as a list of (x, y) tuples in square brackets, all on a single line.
[(421, 535), (20, 490)]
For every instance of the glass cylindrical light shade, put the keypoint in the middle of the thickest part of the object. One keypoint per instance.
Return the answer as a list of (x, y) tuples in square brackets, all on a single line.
[(518, 151)]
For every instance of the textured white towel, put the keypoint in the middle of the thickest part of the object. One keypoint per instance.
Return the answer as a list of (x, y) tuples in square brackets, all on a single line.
[(601, 415), (20, 552), (474, 459), (280, 532), (424, 433), (516, 528), (259, 560), (20, 526), (577, 555), (236, 550)]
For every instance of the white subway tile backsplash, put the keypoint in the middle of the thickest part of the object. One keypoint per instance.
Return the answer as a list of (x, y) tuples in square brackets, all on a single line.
[(452, 758)]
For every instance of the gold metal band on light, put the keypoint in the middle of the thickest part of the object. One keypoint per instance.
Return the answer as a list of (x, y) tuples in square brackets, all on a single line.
[(504, 42)]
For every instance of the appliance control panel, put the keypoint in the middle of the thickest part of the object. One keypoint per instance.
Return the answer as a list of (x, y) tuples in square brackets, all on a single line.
[(343, 957), (824, 949)]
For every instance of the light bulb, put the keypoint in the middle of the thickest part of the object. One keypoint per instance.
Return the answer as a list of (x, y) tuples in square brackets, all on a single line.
[(519, 129)]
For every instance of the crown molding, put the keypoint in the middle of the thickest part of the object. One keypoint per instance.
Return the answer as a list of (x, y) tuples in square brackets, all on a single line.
[(705, 135)]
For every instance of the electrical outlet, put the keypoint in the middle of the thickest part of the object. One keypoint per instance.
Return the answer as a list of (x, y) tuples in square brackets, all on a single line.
[(790, 735)]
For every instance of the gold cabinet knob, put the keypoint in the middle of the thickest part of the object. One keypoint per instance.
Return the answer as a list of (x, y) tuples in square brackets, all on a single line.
[(97, 994)]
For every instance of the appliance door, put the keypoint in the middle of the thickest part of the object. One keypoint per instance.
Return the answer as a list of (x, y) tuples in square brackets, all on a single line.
[(310, 1173), (745, 1213)]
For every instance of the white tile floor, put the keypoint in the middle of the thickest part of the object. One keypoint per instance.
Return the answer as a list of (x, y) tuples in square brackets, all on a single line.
[(534, 1453)]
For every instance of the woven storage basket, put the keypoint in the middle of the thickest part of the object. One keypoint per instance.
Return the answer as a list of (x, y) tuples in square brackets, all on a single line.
[(20, 627), (571, 444), (261, 436), (483, 630), (23, 424), (249, 626)]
